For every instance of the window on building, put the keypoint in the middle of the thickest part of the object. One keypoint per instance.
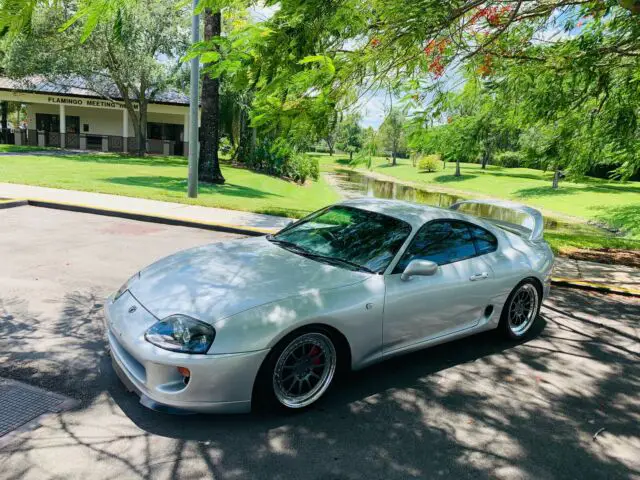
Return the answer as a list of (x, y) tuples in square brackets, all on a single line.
[(48, 122), (155, 131)]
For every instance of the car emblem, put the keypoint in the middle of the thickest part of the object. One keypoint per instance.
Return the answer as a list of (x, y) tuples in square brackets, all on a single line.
[(132, 308)]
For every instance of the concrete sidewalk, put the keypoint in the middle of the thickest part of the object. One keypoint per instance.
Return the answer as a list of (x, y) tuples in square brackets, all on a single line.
[(620, 278), (140, 206)]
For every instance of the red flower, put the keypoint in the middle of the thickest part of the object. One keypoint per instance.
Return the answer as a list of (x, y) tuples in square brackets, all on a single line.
[(436, 67), (428, 50)]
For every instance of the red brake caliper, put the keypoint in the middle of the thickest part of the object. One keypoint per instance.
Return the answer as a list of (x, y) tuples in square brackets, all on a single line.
[(314, 352)]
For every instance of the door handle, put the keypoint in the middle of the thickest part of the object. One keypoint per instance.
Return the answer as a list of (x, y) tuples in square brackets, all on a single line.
[(479, 276)]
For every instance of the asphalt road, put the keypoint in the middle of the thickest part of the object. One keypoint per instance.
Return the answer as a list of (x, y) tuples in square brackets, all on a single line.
[(475, 408)]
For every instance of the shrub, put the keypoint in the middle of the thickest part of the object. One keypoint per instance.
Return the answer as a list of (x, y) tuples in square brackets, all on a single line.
[(429, 163), (301, 166), (225, 146), (277, 157), (509, 159)]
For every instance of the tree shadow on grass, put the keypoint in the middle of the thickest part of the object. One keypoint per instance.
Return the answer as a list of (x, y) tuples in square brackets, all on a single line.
[(115, 159), (528, 176), (547, 191), (626, 217), (453, 178), (569, 189), (175, 184)]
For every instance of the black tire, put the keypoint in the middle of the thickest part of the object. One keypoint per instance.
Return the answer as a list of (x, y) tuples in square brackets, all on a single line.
[(268, 390), (508, 326)]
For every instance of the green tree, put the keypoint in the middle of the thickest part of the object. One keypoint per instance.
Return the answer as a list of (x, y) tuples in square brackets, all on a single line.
[(392, 132), (131, 55), (350, 135), (370, 147)]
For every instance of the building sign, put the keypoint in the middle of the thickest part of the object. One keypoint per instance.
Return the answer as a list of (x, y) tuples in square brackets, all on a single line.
[(88, 102)]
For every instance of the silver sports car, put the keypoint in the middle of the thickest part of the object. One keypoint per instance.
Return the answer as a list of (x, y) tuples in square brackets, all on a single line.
[(273, 320)]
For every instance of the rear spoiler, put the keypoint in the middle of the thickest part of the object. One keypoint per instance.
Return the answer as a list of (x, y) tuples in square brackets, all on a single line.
[(532, 227)]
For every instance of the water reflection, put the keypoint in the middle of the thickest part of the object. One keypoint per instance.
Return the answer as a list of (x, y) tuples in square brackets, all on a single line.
[(354, 184)]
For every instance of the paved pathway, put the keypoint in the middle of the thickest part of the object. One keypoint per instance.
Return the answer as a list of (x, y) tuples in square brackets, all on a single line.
[(620, 276), (615, 274), (144, 207)]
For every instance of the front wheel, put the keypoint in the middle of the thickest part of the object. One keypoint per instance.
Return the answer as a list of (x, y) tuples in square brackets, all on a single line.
[(520, 310), (299, 370)]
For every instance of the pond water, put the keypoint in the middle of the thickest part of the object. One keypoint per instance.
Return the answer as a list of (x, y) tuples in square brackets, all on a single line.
[(353, 184)]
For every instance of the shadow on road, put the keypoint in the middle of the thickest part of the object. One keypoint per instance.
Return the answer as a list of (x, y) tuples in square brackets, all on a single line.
[(478, 407)]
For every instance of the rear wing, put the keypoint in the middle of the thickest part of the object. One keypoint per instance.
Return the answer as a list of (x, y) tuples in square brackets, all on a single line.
[(514, 217)]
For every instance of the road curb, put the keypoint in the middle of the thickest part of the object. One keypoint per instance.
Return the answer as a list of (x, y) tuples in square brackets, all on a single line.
[(593, 286), (11, 203), (144, 217)]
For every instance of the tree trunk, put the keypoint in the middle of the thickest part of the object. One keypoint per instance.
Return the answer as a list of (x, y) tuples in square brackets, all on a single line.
[(393, 156), (4, 132), (142, 131), (245, 143), (457, 174), (209, 165), (350, 156), (556, 179), (139, 121)]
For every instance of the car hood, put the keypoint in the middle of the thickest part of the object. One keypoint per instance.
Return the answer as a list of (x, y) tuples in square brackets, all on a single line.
[(216, 281)]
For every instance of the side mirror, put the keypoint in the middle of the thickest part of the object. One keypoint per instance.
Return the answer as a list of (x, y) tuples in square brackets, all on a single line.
[(419, 267)]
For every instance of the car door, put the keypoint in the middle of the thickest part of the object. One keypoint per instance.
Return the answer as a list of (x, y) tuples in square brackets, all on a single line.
[(453, 299)]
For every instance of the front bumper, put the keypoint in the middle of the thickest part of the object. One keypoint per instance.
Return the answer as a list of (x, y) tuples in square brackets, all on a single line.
[(218, 383)]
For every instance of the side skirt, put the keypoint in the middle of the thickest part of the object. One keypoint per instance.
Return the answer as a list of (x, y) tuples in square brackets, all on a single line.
[(431, 342)]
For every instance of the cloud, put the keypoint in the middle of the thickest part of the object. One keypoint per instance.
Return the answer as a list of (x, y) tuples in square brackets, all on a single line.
[(261, 13), (374, 109)]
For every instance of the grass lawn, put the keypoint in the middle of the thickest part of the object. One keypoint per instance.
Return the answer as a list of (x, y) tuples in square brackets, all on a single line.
[(4, 148), (614, 203), (165, 178)]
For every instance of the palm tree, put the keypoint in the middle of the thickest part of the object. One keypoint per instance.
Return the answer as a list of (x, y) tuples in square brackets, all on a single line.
[(209, 164)]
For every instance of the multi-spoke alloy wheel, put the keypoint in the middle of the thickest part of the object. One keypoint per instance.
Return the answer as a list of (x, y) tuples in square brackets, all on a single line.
[(304, 370), (522, 309)]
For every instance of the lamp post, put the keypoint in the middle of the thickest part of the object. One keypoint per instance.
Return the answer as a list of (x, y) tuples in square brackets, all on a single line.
[(192, 189)]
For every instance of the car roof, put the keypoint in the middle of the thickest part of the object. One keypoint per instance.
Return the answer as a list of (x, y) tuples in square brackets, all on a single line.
[(416, 214)]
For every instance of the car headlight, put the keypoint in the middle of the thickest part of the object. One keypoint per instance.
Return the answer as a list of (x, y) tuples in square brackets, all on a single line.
[(180, 333), (125, 286)]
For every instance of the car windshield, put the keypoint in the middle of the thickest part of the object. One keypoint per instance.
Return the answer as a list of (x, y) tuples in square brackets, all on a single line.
[(347, 237)]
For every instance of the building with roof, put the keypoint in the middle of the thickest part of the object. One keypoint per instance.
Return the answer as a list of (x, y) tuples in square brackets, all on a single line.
[(71, 115)]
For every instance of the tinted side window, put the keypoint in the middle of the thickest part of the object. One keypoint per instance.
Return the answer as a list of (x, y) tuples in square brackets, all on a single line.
[(441, 242), (485, 241)]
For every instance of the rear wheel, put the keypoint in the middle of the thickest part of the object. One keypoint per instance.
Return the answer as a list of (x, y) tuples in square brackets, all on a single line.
[(520, 310), (299, 370)]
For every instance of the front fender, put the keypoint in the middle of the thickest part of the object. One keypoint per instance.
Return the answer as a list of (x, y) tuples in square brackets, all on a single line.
[(354, 310)]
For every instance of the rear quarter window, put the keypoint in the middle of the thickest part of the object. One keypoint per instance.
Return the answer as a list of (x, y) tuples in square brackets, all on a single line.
[(485, 241)]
